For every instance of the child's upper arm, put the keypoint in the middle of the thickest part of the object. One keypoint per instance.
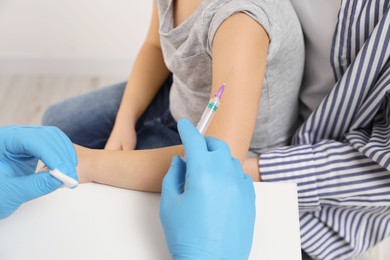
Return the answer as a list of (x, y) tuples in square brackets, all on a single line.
[(239, 50), (153, 36)]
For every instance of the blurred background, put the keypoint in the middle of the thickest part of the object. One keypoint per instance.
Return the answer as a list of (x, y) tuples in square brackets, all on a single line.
[(51, 50)]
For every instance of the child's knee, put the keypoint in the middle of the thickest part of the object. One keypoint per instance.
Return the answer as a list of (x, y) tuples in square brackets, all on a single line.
[(51, 116), (60, 116)]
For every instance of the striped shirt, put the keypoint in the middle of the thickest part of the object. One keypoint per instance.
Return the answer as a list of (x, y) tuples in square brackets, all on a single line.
[(340, 156)]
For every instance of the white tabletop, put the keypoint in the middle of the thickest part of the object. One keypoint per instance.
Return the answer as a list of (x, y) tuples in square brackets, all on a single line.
[(101, 222)]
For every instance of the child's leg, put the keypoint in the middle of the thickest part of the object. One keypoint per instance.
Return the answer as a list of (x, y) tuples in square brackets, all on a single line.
[(87, 119), (156, 128)]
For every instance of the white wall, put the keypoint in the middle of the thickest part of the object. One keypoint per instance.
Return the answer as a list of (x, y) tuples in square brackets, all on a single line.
[(70, 37)]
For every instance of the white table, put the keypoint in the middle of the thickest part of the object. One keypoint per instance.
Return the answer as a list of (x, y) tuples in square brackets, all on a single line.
[(101, 222)]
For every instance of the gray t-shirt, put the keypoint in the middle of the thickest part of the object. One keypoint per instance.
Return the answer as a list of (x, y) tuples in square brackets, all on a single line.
[(187, 51), (318, 19)]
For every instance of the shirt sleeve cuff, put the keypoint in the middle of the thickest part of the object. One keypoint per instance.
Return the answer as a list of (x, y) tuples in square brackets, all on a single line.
[(327, 173), (294, 164)]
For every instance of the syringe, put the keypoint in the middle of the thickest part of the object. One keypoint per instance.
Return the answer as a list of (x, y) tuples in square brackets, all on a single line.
[(210, 110)]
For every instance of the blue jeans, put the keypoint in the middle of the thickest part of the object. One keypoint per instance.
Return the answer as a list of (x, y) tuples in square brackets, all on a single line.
[(88, 119)]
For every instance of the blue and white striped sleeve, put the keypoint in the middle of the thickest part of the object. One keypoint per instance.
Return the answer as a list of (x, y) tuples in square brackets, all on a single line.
[(343, 232), (340, 159), (328, 173), (341, 153)]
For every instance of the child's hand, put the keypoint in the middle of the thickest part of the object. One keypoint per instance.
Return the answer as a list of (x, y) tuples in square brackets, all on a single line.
[(123, 137)]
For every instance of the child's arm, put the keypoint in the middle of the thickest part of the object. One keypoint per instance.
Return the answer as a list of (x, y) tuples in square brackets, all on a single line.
[(137, 170), (148, 75), (239, 52), (239, 58)]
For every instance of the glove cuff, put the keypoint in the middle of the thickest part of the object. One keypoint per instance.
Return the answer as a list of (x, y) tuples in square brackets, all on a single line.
[(186, 252)]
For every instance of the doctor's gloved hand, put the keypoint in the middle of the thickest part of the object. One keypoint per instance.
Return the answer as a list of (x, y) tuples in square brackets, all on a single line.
[(207, 205), (20, 149)]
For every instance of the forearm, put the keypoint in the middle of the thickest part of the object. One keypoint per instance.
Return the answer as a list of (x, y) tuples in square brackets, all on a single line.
[(137, 170), (148, 74), (147, 77), (328, 173)]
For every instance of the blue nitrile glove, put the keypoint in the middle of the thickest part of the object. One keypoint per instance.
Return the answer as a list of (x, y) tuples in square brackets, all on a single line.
[(207, 204), (20, 149)]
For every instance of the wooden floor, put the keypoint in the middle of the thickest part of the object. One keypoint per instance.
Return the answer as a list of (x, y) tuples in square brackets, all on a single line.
[(23, 99)]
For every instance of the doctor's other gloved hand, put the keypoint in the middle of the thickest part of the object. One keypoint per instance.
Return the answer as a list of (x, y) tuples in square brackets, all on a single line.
[(20, 149), (207, 205)]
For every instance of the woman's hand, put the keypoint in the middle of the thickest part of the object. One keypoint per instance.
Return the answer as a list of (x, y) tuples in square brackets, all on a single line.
[(20, 150), (207, 207)]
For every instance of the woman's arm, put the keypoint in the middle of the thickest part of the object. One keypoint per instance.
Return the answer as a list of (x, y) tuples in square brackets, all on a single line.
[(148, 75)]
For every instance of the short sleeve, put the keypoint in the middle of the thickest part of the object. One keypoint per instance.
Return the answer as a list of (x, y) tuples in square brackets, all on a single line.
[(217, 14)]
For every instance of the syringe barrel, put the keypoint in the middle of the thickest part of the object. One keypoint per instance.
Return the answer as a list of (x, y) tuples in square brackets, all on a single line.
[(207, 115)]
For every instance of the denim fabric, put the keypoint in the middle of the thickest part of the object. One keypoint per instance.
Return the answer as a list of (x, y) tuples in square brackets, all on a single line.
[(88, 119)]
